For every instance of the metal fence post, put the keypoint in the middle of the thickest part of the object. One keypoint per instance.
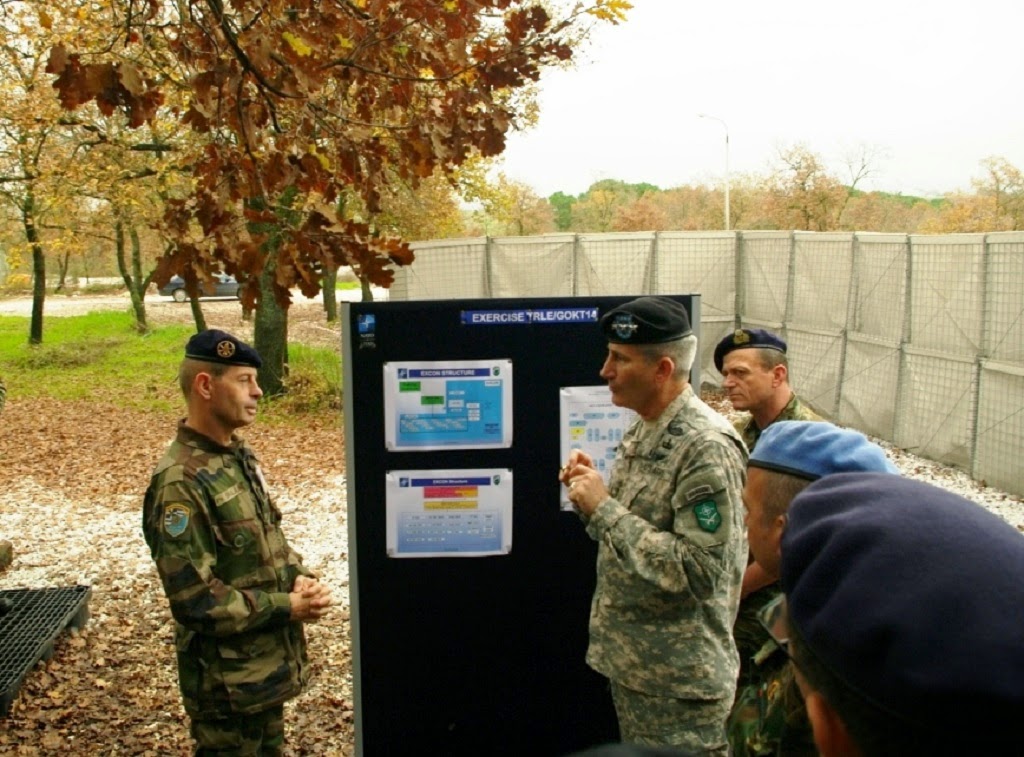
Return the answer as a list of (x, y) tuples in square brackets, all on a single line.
[(488, 268), (848, 323), (905, 339), (787, 312), (740, 253), (982, 353)]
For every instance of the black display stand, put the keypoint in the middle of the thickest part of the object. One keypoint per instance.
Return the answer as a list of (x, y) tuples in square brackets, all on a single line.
[(474, 655)]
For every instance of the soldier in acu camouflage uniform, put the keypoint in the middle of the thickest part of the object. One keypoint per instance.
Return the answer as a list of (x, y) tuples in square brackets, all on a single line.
[(671, 540), (237, 591)]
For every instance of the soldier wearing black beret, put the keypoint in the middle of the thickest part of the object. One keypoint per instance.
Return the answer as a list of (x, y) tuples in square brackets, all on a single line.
[(671, 544), (905, 607), (238, 592), (755, 376)]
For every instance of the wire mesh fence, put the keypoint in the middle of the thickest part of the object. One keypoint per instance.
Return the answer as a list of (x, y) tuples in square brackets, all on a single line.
[(915, 339)]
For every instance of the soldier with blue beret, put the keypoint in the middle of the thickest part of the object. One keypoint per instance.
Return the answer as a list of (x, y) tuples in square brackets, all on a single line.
[(747, 339), (904, 605), (238, 592), (768, 717), (755, 377), (671, 544)]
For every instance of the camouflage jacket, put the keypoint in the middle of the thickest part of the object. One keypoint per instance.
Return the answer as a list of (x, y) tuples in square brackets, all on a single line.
[(794, 410), (227, 569), (768, 717), (671, 554)]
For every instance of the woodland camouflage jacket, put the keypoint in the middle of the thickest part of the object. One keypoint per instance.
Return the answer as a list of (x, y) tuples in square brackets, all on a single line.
[(227, 569), (794, 410)]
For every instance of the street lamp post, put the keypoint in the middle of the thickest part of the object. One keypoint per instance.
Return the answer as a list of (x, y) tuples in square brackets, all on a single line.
[(726, 127)]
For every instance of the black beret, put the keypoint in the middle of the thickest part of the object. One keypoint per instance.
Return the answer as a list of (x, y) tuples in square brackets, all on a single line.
[(745, 339), (216, 346), (647, 320), (912, 595)]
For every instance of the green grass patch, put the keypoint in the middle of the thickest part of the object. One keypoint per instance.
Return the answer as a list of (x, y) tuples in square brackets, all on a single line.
[(100, 357), (313, 386)]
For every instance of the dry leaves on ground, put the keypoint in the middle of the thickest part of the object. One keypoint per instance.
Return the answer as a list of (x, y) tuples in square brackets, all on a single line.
[(72, 477)]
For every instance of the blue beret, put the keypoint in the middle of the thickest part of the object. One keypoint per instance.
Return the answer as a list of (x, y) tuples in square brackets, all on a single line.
[(216, 346), (812, 449), (742, 339), (647, 320), (913, 596)]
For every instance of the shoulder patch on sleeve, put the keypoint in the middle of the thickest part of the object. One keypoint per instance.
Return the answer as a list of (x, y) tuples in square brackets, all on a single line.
[(708, 517), (176, 518)]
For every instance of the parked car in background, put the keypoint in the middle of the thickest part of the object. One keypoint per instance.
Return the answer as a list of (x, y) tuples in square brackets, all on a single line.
[(226, 286)]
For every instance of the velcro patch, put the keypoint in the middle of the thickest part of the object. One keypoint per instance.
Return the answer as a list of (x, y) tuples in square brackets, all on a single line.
[(708, 517), (704, 490), (176, 518)]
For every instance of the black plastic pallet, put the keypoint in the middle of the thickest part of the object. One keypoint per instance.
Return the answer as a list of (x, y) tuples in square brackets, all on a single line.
[(30, 622)]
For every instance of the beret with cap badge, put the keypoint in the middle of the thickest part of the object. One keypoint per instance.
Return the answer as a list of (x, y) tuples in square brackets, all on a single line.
[(742, 339), (646, 320), (216, 346)]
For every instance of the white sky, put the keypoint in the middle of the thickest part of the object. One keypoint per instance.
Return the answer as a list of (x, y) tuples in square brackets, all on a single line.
[(934, 87)]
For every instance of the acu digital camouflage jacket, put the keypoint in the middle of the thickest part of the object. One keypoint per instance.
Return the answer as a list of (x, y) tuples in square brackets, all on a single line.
[(671, 554)]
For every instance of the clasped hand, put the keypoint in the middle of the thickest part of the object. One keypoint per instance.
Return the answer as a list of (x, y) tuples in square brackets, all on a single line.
[(310, 599)]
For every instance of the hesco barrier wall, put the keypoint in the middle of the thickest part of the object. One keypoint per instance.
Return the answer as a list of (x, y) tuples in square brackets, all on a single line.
[(915, 339)]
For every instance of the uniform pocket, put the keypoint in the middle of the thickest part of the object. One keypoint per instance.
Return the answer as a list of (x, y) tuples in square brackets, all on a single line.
[(242, 550), (255, 670)]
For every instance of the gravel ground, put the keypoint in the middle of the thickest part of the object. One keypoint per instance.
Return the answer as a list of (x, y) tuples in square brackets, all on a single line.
[(72, 513)]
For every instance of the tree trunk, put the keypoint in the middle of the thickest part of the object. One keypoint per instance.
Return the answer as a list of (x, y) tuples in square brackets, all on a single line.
[(364, 285), (330, 292), (270, 334), (197, 314), (63, 262), (132, 282), (35, 329)]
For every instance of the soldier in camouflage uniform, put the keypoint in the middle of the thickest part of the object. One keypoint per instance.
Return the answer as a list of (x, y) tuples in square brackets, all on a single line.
[(769, 717), (671, 540), (755, 374), (238, 593)]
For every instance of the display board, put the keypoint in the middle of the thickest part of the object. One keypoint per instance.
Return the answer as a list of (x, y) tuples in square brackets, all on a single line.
[(470, 584)]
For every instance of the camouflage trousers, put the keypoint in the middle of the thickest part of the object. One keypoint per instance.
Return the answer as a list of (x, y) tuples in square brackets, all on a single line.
[(258, 735), (695, 726)]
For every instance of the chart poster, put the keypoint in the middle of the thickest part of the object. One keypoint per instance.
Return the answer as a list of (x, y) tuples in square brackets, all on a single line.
[(464, 404), (591, 423), (449, 513)]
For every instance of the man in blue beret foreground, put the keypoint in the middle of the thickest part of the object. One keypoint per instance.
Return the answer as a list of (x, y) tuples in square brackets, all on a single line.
[(238, 592), (671, 543), (768, 716), (905, 616), (755, 373)]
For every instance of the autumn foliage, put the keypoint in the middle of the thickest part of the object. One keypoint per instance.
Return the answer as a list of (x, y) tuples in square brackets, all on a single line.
[(298, 102)]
